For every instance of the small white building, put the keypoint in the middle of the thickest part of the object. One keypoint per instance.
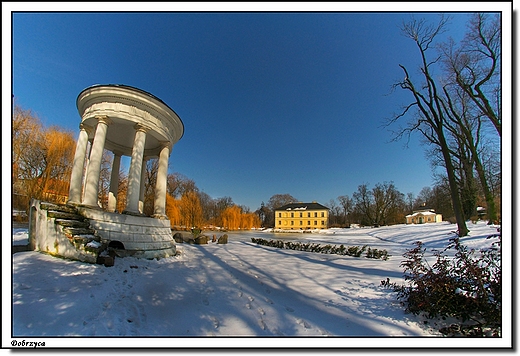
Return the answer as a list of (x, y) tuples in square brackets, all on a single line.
[(423, 216)]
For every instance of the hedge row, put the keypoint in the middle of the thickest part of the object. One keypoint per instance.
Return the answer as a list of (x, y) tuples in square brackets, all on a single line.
[(355, 251)]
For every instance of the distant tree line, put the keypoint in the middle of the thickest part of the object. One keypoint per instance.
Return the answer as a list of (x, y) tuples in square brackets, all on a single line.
[(382, 204)]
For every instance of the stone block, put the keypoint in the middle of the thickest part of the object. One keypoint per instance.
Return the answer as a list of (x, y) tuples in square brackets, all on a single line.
[(201, 240), (109, 261), (223, 239)]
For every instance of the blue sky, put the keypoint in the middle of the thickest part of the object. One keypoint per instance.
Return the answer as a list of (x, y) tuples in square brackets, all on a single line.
[(272, 103)]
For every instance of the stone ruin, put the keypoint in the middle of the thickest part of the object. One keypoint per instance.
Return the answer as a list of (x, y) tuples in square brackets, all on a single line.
[(128, 122)]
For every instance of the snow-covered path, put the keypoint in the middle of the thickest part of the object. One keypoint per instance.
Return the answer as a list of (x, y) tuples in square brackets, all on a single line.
[(235, 289), (238, 289)]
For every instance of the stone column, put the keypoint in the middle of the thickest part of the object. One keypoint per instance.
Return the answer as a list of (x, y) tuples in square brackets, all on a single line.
[(76, 178), (94, 165), (134, 174), (159, 205), (114, 183), (141, 188), (87, 161)]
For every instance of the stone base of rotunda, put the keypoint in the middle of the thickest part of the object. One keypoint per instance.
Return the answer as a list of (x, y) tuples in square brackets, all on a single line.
[(137, 236)]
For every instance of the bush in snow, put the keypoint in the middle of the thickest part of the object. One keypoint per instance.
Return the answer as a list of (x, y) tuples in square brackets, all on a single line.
[(466, 286), (355, 251)]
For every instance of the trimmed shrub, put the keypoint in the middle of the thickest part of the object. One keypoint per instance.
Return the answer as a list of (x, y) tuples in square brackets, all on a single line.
[(355, 251), (466, 286)]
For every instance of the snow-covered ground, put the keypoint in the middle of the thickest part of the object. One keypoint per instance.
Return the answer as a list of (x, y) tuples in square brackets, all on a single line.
[(236, 295)]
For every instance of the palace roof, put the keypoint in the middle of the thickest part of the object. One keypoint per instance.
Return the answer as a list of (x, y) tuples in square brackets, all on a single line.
[(302, 206)]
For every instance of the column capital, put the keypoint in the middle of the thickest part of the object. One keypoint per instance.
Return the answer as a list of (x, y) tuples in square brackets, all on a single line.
[(104, 119), (141, 127), (166, 144), (88, 129)]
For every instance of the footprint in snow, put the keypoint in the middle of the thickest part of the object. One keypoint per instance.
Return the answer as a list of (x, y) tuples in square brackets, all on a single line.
[(215, 321), (261, 323), (304, 323), (289, 309)]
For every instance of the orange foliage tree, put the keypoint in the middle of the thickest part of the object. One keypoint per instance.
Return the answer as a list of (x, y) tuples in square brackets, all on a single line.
[(173, 211), (191, 210), (42, 158), (233, 218)]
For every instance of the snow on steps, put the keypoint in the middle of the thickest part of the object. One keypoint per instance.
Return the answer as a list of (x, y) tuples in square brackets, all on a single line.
[(88, 246)]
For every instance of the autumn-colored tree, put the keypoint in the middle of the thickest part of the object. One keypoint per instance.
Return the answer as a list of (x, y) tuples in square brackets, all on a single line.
[(122, 189), (173, 211), (249, 221), (42, 158), (191, 210), (104, 178), (26, 155), (231, 217), (58, 158)]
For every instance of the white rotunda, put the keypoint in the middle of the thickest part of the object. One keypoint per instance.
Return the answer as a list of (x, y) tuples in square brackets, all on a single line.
[(127, 122)]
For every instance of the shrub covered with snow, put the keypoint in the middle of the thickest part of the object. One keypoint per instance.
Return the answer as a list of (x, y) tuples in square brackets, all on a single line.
[(461, 283), (355, 251)]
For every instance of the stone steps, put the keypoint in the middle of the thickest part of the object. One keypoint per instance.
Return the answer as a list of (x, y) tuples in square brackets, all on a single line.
[(62, 215), (74, 231), (73, 223), (77, 229)]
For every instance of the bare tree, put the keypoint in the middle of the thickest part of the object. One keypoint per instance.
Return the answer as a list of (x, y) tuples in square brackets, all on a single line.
[(387, 201), (427, 107), (104, 178), (473, 92), (364, 204), (275, 202), (475, 65), (347, 204), (410, 199)]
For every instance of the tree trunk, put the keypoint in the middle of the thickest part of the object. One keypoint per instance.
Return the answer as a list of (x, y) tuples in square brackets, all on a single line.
[(454, 189), (490, 202)]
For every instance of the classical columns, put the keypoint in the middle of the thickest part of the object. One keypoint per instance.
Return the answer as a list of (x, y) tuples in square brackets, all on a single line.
[(142, 187), (159, 205), (114, 183), (76, 178), (94, 166), (134, 174)]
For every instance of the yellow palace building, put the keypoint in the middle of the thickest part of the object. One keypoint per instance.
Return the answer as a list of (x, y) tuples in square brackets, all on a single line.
[(301, 216)]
